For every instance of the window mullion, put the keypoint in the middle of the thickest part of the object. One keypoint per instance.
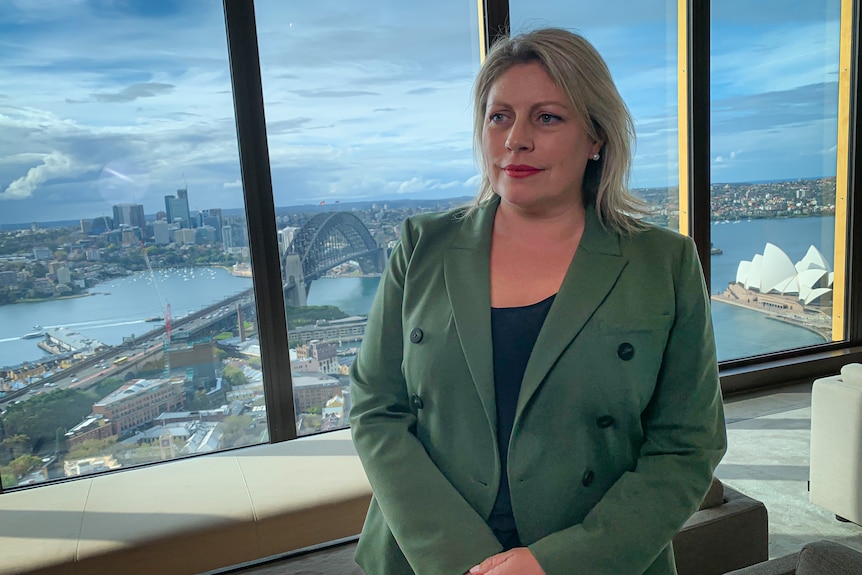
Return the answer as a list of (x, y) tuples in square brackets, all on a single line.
[(694, 136), (260, 212)]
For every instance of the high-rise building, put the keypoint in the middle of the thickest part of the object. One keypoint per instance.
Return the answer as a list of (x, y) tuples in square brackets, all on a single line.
[(177, 208), (227, 237), (161, 232), (101, 225), (285, 236), (205, 234), (211, 217), (184, 236), (131, 215)]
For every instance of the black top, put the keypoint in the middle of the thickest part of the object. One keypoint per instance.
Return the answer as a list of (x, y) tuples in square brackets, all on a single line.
[(514, 331)]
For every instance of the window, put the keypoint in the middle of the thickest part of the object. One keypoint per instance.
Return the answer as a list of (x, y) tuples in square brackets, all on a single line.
[(120, 179), (774, 142), (122, 228), (638, 41), (368, 122)]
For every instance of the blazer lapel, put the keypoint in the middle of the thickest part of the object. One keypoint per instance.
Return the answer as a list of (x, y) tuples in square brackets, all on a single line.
[(592, 274), (466, 269)]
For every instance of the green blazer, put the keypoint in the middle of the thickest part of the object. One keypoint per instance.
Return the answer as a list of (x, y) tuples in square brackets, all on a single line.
[(619, 422)]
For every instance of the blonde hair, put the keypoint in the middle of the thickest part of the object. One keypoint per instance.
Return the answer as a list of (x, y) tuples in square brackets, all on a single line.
[(577, 68)]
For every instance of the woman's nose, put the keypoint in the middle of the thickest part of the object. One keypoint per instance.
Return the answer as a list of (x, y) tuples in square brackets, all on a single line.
[(519, 137)]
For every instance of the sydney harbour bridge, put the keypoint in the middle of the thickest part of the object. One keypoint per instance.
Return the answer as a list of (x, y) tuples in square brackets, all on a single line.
[(325, 241)]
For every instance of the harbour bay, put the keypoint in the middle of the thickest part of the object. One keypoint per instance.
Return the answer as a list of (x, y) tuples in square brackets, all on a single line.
[(121, 306), (117, 308)]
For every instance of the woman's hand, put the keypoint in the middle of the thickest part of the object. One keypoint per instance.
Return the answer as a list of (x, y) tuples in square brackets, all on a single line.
[(518, 561)]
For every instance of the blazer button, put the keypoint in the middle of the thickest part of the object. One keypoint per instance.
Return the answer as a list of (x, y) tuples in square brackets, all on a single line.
[(416, 335), (588, 478), (626, 351), (416, 401), (605, 421)]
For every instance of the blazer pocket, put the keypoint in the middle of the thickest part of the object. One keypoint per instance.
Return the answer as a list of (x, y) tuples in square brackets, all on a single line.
[(618, 325)]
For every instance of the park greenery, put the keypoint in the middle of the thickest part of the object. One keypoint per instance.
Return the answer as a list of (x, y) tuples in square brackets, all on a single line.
[(39, 418), (309, 315)]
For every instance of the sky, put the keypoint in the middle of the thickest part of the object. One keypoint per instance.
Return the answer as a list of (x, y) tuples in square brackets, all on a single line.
[(114, 101)]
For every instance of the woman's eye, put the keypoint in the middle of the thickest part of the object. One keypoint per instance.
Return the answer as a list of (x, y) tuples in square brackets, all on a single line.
[(496, 118), (548, 118)]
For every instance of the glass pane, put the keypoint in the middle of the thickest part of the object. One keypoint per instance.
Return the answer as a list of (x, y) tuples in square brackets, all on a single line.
[(638, 41), (774, 90), (124, 276), (369, 121)]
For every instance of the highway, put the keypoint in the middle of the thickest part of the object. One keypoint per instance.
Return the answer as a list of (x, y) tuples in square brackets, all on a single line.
[(140, 350)]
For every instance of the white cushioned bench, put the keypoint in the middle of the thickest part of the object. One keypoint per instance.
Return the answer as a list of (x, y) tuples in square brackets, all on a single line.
[(189, 516)]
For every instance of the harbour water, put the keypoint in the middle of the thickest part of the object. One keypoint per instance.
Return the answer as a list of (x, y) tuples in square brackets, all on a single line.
[(117, 308), (120, 307)]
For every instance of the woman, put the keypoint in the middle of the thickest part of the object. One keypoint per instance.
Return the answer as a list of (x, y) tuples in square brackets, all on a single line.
[(537, 391)]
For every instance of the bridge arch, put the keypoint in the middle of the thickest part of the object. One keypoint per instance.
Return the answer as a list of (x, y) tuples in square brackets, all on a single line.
[(325, 241)]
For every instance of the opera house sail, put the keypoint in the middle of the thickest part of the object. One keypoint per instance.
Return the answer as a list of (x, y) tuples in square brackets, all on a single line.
[(800, 293)]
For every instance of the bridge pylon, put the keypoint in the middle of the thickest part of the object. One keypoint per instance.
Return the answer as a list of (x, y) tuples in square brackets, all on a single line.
[(295, 294)]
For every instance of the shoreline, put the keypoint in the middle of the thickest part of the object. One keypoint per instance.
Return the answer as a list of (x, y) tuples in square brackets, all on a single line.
[(825, 333), (42, 299)]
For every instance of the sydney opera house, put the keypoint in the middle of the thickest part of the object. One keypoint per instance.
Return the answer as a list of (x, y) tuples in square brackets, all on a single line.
[(773, 284)]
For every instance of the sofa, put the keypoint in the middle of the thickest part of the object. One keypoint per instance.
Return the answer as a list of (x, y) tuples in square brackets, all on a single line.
[(817, 558), (731, 530), (728, 532)]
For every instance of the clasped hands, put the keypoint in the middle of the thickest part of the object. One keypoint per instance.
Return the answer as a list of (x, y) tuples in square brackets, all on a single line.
[(518, 561)]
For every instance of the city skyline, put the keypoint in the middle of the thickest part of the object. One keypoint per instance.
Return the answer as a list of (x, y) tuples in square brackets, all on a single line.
[(354, 116)]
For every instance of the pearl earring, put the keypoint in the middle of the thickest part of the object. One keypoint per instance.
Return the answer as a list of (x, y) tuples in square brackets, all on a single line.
[(596, 157)]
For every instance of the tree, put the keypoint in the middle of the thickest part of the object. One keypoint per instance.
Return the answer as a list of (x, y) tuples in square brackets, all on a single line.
[(233, 376), (235, 430), (254, 363), (22, 465), (14, 446), (94, 448)]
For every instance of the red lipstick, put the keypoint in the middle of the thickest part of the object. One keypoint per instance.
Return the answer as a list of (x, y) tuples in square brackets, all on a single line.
[(520, 170)]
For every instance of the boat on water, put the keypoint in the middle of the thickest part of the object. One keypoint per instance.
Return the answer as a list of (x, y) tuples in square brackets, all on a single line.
[(152, 319), (33, 335)]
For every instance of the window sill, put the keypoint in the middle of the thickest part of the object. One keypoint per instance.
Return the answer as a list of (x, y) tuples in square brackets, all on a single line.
[(192, 515)]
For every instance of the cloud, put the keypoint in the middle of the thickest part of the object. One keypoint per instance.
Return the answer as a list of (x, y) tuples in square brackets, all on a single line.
[(385, 110), (133, 92), (286, 126), (333, 93), (421, 91), (54, 165), (415, 185), (234, 184), (775, 109)]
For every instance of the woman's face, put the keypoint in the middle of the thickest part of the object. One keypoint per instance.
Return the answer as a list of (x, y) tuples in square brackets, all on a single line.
[(534, 147)]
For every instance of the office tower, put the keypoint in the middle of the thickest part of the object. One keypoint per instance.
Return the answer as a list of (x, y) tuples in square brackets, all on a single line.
[(285, 236), (86, 226), (227, 237), (101, 225), (177, 208), (205, 235), (161, 232), (131, 215), (211, 217)]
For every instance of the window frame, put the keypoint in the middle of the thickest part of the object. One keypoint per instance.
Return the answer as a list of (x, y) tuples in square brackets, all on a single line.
[(739, 375)]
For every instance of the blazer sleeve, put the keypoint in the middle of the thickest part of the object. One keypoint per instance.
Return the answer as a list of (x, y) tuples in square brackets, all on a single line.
[(436, 529), (684, 439)]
